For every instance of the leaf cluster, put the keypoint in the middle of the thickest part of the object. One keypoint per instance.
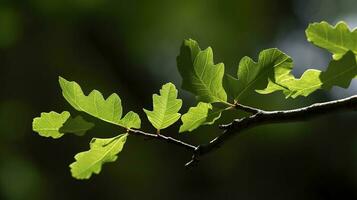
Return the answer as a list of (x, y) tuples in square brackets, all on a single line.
[(215, 91)]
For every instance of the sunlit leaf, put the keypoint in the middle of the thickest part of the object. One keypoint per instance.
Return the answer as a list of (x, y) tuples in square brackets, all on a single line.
[(109, 110), (131, 120), (250, 75), (199, 73), (166, 107), (101, 151), (336, 39), (55, 125), (202, 114), (339, 73)]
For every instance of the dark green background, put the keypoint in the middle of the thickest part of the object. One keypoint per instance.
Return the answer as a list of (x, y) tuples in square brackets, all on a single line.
[(129, 47)]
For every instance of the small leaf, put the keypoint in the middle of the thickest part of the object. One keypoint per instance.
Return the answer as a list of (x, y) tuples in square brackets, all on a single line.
[(202, 114), (339, 73), (271, 63), (166, 107), (131, 120), (55, 125), (199, 73), (101, 151), (337, 40), (109, 110)]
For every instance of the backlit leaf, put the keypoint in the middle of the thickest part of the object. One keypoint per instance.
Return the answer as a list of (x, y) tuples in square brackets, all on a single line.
[(109, 110), (253, 76), (339, 73), (55, 125), (131, 120), (202, 114), (199, 73), (336, 39), (166, 107), (101, 151)]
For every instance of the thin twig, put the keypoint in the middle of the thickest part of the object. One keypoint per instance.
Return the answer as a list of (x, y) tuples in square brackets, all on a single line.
[(245, 108), (164, 138)]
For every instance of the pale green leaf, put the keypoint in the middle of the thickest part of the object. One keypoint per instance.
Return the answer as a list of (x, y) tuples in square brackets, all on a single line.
[(101, 151), (131, 120), (339, 73), (165, 107), (336, 39), (253, 76), (199, 73), (55, 125), (109, 110), (202, 114)]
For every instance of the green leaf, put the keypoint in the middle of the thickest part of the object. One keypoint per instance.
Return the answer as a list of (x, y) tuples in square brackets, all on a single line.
[(339, 73), (336, 39), (109, 110), (202, 114), (199, 73), (131, 120), (101, 151), (250, 75), (77, 126), (55, 125), (166, 107)]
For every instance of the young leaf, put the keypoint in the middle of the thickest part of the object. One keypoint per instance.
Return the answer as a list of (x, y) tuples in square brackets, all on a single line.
[(202, 114), (339, 73), (166, 107), (199, 73), (101, 151), (271, 63), (109, 110), (337, 40), (55, 125), (131, 120)]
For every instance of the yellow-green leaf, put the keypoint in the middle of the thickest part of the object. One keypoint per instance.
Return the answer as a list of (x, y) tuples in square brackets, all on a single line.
[(55, 124), (109, 110), (202, 114), (336, 39), (165, 107), (339, 73), (101, 151), (252, 76), (199, 73)]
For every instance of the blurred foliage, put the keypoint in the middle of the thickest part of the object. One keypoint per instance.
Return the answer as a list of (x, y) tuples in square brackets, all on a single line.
[(130, 47)]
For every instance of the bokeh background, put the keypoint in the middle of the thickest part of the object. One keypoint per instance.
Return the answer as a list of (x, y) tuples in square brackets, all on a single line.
[(130, 47)]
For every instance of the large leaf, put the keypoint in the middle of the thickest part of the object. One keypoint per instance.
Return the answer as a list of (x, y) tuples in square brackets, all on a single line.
[(199, 73), (253, 76), (166, 107), (101, 151), (55, 125), (336, 39), (109, 110), (339, 73), (202, 114)]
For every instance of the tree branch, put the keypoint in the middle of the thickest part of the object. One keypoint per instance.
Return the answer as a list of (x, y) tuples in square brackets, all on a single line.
[(269, 117), (258, 117)]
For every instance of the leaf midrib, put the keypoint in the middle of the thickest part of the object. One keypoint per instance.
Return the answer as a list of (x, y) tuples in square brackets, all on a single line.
[(102, 157)]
